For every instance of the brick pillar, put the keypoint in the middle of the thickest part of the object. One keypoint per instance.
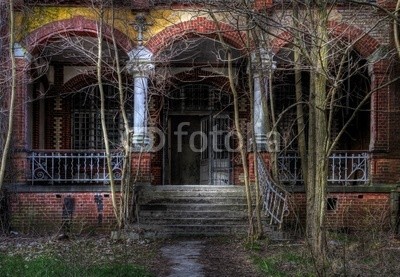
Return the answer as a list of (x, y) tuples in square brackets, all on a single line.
[(21, 142), (141, 167), (383, 167), (380, 107)]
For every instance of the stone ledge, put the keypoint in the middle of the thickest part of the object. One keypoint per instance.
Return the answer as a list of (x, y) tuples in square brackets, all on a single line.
[(343, 189)]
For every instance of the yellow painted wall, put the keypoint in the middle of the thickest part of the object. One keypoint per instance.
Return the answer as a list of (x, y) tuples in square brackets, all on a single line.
[(35, 17)]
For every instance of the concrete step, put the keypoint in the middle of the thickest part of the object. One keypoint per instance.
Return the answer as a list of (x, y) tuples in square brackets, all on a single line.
[(191, 193), (185, 188), (195, 200), (192, 214), (178, 221), (190, 210), (138, 231), (192, 207)]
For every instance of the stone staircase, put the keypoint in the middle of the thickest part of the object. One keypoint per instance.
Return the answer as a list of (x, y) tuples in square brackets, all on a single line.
[(193, 210)]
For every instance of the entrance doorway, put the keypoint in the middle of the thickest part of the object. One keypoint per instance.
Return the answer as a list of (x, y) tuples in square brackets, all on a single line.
[(199, 138), (199, 150)]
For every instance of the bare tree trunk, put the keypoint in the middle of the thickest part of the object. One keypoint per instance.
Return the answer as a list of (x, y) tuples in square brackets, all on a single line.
[(301, 128), (396, 28), (318, 145), (11, 102), (241, 142), (258, 197), (103, 115), (242, 148), (124, 207)]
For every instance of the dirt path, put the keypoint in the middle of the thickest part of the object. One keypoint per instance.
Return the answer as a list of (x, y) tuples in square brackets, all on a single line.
[(183, 258), (197, 257), (207, 257)]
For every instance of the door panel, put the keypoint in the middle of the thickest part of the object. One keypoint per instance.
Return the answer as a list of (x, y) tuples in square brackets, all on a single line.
[(216, 159), (205, 166), (184, 162), (220, 155)]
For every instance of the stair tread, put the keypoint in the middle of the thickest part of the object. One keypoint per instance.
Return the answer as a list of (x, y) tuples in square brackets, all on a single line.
[(194, 210)]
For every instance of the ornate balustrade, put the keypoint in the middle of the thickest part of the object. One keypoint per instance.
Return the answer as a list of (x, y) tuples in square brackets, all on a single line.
[(344, 168), (74, 166), (274, 197)]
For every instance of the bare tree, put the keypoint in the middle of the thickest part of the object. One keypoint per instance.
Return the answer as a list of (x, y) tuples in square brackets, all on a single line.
[(9, 96)]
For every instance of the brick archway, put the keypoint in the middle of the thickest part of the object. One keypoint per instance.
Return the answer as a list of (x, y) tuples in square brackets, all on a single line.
[(78, 82), (364, 44), (78, 26), (200, 26)]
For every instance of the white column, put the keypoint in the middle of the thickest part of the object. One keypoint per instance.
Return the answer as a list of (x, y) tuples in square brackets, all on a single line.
[(140, 66), (260, 130), (262, 64)]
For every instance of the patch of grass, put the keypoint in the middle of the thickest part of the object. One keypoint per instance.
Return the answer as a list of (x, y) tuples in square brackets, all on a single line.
[(269, 266), (296, 258), (254, 246), (50, 266), (282, 262)]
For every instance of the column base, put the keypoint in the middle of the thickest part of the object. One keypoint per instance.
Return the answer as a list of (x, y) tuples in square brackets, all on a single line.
[(261, 142), (141, 142)]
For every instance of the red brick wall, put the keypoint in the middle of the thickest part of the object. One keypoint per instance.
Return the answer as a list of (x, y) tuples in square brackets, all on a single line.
[(141, 169), (266, 158), (385, 170), (42, 212), (353, 211)]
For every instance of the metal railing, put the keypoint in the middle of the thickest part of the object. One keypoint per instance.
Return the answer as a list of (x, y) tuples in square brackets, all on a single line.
[(348, 169), (74, 166), (275, 198), (344, 168)]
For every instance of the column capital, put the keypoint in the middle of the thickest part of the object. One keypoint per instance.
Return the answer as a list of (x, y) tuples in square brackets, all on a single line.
[(21, 53), (263, 59), (140, 62)]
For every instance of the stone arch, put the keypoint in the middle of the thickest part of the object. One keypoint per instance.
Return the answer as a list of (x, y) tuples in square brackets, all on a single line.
[(78, 25), (200, 26)]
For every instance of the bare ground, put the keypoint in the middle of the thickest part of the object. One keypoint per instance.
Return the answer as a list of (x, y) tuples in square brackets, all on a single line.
[(220, 256)]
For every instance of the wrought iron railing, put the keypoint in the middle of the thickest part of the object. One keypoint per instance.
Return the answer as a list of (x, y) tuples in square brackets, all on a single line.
[(73, 166), (344, 168), (275, 198), (289, 169), (348, 168)]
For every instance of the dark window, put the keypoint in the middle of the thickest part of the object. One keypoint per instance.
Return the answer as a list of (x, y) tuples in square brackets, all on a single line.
[(86, 124)]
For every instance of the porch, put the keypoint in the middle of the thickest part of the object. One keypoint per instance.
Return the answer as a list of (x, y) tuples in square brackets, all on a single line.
[(86, 167)]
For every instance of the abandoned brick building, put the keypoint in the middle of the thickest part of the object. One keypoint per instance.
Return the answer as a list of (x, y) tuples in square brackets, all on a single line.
[(182, 85)]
